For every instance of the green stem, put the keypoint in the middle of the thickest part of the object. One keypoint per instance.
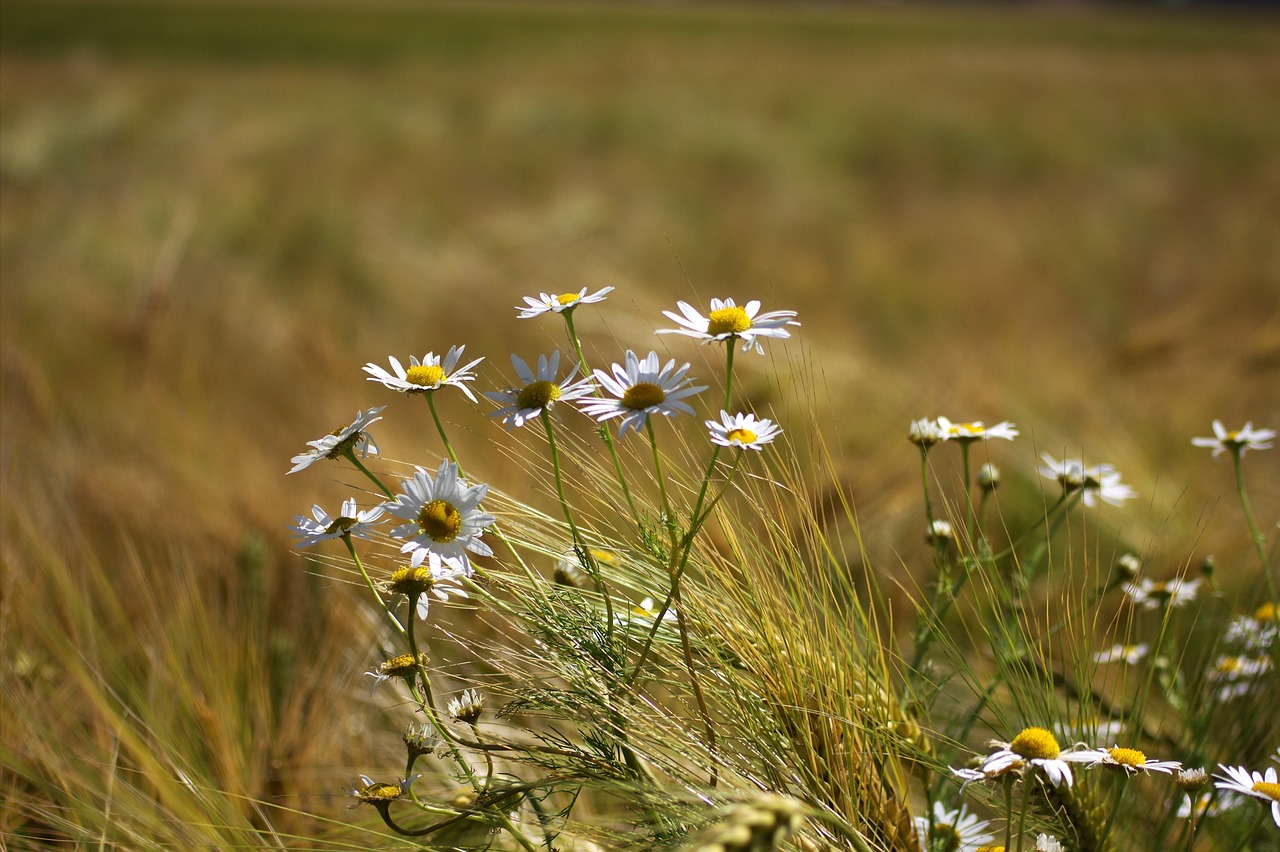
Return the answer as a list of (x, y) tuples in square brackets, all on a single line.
[(1111, 818), (429, 704), (968, 494), (351, 456), (1008, 812), (1258, 542), (1022, 812), (731, 347), (435, 415), (395, 622), (669, 520)]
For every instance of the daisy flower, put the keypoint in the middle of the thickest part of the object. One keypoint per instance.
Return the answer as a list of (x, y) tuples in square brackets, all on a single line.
[(546, 302), (340, 441), (1049, 843), (1130, 760), (443, 516), (642, 389), (743, 431), (1263, 786), (438, 579), (351, 521), (956, 830), (370, 792), (538, 391), (429, 374), (1150, 594), (1241, 440), (1237, 676), (726, 321), (1257, 632), (1127, 654), (1034, 748), (968, 432), (939, 531), (467, 707), (1100, 482), (403, 666), (924, 433)]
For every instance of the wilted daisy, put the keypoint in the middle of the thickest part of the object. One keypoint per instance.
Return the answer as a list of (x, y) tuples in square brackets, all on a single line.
[(1129, 760), (467, 707), (924, 433), (370, 792), (727, 321), (429, 374), (1128, 654), (1264, 786), (351, 521), (1241, 440), (546, 302), (975, 431), (340, 441), (1099, 482), (641, 388), (1152, 594), (743, 431), (443, 516), (958, 830), (403, 666), (1033, 747), (1257, 632), (438, 579), (538, 392)]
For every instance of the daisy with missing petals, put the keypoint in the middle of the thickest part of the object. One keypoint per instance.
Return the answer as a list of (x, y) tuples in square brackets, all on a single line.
[(1129, 760), (437, 579), (1152, 594), (429, 374), (1263, 786), (343, 440), (967, 433), (1239, 441), (743, 431), (467, 707), (1100, 482), (351, 522), (443, 516), (925, 433), (1032, 748), (641, 389), (547, 303), (727, 321), (404, 667), (538, 392), (1127, 654), (380, 795), (956, 830)]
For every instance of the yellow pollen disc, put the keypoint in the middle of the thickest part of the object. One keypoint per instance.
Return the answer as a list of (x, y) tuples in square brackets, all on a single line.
[(340, 525), (1266, 788), (643, 395), (381, 791), (1035, 743), (411, 581), (971, 427), (990, 849), (1128, 757), (567, 298), (742, 436), (538, 395), (398, 666), (440, 520), (424, 375), (1228, 665), (1266, 612), (728, 321)]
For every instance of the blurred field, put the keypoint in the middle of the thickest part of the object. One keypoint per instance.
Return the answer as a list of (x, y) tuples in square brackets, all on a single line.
[(213, 216)]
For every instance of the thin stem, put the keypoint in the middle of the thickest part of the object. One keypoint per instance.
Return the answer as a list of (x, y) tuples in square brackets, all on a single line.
[(453, 457), (1258, 542), (1111, 818), (351, 456), (395, 622), (730, 347), (668, 518), (1022, 813), (968, 493), (1008, 812), (429, 705)]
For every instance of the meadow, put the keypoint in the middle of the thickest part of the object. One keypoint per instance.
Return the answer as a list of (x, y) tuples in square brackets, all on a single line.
[(215, 214)]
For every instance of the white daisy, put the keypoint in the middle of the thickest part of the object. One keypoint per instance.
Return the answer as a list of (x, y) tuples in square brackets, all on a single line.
[(1127, 654), (939, 531), (1256, 632), (466, 707), (1263, 786), (975, 431), (438, 579), (340, 441), (1034, 748), (559, 304), (956, 830), (1099, 482), (743, 431), (443, 516), (1049, 843), (538, 392), (1130, 760), (1152, 594), (429, 374), (924, 433), (642, 389), (727, 321), (1241, 440), (350, 521)]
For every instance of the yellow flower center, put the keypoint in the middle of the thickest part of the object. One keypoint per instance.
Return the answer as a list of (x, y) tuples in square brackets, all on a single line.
[(567, 298), (1128, 757), (1268, 789), (1035, 743), (376, 792), (990, 849), (538, 395), (1230, 665), (440, 520), (340, 525), (728, 321), (1266, 612), (643, 395), (424, 375), (411, 582), (401, 666), (742, 436)]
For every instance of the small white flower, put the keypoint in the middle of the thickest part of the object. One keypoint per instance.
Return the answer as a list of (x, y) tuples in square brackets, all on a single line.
[(1130, 760), (350, 521), (956, 830), (1127, 654), (1257, 632), (939, 530), (538, 391), (1151, 594), (1034, 748), (726, 321), (466, 707), (559, 304), (443, 516), (340, 441), (1099, 482), (1241, 440), (1049, 843), (743, 431), (429, 374), (975, 431), (641, 388), (925, 433), (1264, 786)]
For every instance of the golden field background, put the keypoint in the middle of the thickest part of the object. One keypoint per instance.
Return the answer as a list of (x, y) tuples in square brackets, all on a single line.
[(213, 216)]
